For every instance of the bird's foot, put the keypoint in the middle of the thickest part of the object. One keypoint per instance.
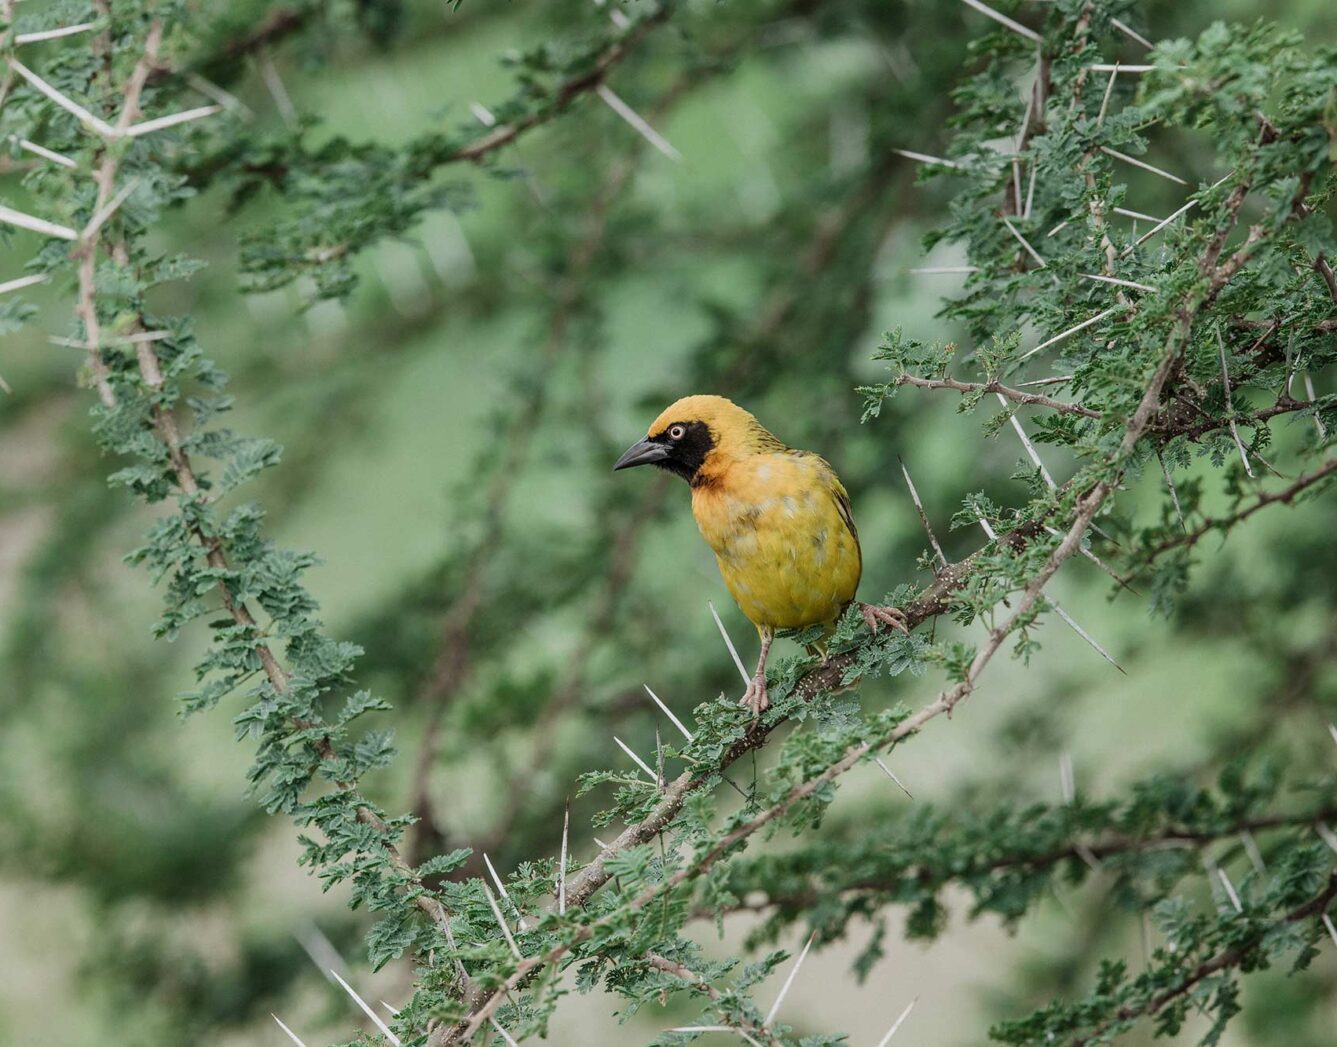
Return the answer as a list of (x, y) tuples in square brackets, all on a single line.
[(892, 616), (755, 697)]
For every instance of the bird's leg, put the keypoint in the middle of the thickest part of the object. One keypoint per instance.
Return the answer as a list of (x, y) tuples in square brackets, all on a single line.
[(892, 616), (755, 695)]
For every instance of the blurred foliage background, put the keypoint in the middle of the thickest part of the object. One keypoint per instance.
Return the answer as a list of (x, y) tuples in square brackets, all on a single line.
[(448, 433)]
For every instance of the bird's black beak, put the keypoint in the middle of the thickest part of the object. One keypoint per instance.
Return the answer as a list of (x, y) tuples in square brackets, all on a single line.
[(643, 452)]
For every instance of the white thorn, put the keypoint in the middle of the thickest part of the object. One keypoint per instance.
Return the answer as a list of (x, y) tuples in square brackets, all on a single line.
[(38, 225), (1068, 333), (68, 104), (1135, 214), (1251, 849), (638, 761), (1085, 636), (1101, 67), (54, 34), (561, 865), (793, 971), (501, 920), (482, 114), (668, 712), (1332, 931), (43, 152), (923, 516), (1002, 19), (224, 98), (1131, 33), (892, 775), (1326, 835), (1230, 407), (291, 1035), (319, 948), (1332, 730), (274, 83), (108, 209), (1024, 242), (1085, 552), (1105, 99), (935, 270), (1322, 435), (897, 1023), (1067, 780), (1026, 442), (502, 888), (1115, 280), (637, 121), (504, 1034), (392, 1010), (376, 1018), (149, 126), (924, 158), (729, 643), (1140, 163), (1174, 495), (23, 281), (1230, 889), (1158, 227)]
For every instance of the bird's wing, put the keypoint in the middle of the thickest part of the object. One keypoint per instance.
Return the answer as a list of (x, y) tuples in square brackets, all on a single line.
[(838, 492), (843, 507)]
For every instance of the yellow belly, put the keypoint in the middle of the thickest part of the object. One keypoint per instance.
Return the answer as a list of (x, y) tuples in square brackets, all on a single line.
[(785, 552)]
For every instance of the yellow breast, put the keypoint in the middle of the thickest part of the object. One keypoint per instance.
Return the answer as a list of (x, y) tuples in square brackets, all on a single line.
[(782, 538)]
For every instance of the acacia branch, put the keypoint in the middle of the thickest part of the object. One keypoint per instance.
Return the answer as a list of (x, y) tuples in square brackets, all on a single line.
[(1229, 958), (184, 476), (1087, 505), (994, 386), (662, 963), (1286, 495), (1109, 846), (566, 93)]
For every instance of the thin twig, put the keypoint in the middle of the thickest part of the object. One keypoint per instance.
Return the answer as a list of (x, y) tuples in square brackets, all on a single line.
[(994, 386)]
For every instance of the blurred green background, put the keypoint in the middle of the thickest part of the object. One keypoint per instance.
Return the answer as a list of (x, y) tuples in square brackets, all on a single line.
[(448, 435)]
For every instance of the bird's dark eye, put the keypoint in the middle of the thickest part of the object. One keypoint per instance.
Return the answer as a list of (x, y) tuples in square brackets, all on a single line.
[(677, 432)]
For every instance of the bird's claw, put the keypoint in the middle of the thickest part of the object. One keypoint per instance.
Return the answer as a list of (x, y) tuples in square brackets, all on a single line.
[(892, 616), (755, 697)]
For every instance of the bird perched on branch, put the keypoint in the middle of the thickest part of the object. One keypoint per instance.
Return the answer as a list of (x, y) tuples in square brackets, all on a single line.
[(778, 520)]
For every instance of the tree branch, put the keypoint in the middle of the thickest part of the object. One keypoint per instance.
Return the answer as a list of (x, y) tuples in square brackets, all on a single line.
[(1225, 960), (994, 386), (1286, 495)]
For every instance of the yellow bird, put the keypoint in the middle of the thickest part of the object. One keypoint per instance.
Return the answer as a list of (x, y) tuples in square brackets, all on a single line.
[(778, 520)]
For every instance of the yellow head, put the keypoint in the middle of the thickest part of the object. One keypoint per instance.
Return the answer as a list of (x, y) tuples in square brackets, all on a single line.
[(697, 437)]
